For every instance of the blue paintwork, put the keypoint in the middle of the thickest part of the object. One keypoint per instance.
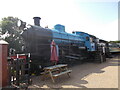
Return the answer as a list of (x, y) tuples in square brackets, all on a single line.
[(59, 27), (79, 38), (90, 45)]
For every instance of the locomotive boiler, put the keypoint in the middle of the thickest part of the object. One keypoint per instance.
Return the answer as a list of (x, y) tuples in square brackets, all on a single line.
[(78, 46)]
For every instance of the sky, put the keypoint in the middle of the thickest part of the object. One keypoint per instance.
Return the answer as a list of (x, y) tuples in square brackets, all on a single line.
[(96, 17)]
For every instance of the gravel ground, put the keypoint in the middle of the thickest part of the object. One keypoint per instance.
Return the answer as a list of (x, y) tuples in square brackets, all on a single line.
[(87, 75)]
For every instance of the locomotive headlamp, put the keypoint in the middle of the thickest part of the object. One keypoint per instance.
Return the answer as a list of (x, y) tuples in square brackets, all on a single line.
[(21, 24)]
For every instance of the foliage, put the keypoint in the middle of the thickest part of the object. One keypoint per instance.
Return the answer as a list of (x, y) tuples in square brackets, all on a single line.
[(0, 31), (9, 26), (114, 41)]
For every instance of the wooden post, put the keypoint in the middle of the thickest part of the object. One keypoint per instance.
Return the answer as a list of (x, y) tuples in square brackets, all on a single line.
[(3, 63), (17, 70)]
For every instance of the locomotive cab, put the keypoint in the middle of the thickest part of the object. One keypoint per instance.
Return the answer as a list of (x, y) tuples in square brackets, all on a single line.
[(90, 41)]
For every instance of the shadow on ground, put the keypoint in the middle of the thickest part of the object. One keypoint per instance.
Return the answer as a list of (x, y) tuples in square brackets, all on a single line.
[(79, 72)]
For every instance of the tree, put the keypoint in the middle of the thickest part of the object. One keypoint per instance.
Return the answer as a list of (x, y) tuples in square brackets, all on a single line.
[(13, 36), (0, 31), (114, 41)]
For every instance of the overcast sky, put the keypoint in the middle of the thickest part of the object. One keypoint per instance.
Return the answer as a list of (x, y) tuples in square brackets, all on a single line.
[(96, 17)]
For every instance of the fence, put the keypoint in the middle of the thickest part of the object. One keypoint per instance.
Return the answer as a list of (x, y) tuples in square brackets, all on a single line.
[(19, 70)]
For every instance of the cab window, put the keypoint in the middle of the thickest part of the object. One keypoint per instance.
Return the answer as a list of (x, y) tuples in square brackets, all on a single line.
[(87, 38)]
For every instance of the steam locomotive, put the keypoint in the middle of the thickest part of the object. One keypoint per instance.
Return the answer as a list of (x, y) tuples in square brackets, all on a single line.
[(78, 46)]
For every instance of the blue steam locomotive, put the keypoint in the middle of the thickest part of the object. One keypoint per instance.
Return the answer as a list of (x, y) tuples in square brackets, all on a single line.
[(78, 46)]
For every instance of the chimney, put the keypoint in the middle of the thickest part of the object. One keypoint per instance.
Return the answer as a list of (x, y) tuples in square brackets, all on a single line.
[(37, 21)]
